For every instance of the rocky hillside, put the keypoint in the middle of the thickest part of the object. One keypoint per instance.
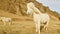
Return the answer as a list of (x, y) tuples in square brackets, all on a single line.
[(19, 7)]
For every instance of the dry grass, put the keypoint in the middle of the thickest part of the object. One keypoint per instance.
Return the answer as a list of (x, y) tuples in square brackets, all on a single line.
[(19, 26), (26, 26)]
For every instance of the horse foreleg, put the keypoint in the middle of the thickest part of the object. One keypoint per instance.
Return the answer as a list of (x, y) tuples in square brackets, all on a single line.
[(38, 28), (4, 22)]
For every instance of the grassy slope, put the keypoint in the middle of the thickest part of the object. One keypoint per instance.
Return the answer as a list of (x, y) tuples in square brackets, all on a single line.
[(25, 25)]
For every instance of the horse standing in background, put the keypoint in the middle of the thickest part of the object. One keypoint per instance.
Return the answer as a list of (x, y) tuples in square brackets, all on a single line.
[(6, 20)]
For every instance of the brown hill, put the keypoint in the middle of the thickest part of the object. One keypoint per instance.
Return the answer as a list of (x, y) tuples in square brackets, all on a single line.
[(19, 7)]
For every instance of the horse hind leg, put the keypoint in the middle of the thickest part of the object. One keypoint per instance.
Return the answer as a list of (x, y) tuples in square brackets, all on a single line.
[(10, 23), (45, 25)]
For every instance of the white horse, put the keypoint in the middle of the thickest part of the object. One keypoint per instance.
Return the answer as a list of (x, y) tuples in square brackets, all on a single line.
[(38, 17), (6, 20)]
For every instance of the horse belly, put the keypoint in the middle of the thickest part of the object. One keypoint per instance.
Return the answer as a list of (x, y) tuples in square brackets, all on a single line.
[(43, 21)]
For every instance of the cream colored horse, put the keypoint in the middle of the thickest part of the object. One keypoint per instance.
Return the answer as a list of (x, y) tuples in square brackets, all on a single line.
[(6, 20), (38, 17)]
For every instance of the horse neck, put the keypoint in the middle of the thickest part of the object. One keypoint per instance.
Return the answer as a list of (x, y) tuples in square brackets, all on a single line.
[(36, 10), (39, 12)]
